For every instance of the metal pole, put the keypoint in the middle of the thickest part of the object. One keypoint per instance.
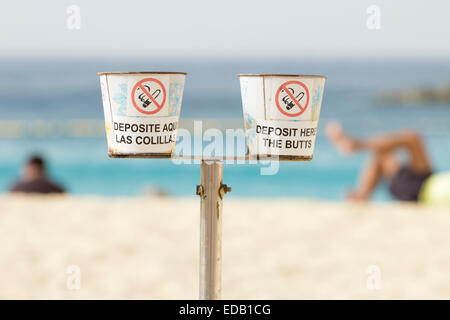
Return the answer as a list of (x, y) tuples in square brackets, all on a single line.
[(211, 192)]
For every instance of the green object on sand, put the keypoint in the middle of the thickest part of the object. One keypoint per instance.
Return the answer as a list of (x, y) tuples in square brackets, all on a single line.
[(436, 190)]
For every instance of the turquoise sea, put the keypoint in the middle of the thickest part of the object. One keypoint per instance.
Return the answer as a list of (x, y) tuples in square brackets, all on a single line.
[(50, 95)]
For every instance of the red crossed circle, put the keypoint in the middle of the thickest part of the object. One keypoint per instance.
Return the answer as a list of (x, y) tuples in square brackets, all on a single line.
[(283, 87), (140, 86)]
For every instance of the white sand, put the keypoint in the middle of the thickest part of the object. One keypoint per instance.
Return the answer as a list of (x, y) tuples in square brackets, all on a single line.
[(273, 249)]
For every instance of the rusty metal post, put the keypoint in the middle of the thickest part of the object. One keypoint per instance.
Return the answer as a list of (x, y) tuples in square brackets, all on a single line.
[(211, 191)]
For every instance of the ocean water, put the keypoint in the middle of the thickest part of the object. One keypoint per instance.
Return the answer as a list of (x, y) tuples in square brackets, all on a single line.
[(58, 92)]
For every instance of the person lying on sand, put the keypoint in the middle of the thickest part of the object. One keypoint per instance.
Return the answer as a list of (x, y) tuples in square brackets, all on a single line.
[(35, 180), (410, 181)]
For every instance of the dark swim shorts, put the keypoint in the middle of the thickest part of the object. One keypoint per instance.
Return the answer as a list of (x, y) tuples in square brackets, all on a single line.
[(406, 184)]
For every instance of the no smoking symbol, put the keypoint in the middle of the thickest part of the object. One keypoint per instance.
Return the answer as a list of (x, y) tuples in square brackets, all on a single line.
[(148, 96), (292, 98)]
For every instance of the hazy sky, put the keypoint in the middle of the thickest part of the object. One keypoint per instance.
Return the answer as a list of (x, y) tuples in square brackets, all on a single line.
[(236, 28)]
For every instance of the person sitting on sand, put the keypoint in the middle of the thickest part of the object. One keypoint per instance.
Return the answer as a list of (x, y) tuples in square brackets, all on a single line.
[(410, 181), (35, 180)]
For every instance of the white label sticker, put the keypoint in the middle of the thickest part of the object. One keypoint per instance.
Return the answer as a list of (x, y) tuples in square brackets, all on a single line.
[(291, 138), (144, 135)]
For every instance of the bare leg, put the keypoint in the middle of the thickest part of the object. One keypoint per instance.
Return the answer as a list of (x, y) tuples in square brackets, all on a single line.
[(408, 140), (379, 166), (382, 164)]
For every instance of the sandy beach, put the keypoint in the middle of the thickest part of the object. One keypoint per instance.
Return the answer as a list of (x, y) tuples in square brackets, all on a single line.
[(147, 248)]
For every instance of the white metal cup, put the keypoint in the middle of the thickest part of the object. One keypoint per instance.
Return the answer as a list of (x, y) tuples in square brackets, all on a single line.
[(142, 110), (281, 114)]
